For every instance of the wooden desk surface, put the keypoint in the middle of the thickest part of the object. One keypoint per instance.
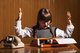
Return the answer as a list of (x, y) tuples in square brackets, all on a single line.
[(29, 49)]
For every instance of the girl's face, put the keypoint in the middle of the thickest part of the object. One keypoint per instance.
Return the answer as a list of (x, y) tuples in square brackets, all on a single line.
[(43, 24)]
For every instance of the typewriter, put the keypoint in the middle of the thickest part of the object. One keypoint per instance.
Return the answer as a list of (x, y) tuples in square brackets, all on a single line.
[(52, 42)]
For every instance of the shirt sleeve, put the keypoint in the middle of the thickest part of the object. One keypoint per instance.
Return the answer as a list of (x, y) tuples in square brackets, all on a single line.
[(59, 33), (69, 29), (22, 32), (18, 24), (67, 33)]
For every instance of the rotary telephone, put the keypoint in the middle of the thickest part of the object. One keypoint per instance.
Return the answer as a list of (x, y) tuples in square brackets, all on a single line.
[(8, 41)]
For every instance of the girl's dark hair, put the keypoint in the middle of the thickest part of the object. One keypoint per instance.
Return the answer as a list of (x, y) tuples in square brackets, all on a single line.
[(41, 16), (42, 13)]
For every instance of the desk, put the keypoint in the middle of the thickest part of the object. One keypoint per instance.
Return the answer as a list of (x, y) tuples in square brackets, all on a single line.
[(30, 49)]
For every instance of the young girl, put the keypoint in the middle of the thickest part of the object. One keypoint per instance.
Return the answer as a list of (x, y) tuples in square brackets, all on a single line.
[(43, 28)]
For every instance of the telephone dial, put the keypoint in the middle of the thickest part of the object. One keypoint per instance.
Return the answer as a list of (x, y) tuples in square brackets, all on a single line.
[(12, 41)]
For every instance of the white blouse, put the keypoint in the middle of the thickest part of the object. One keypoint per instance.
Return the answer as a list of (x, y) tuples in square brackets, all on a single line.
[(59, 33)]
